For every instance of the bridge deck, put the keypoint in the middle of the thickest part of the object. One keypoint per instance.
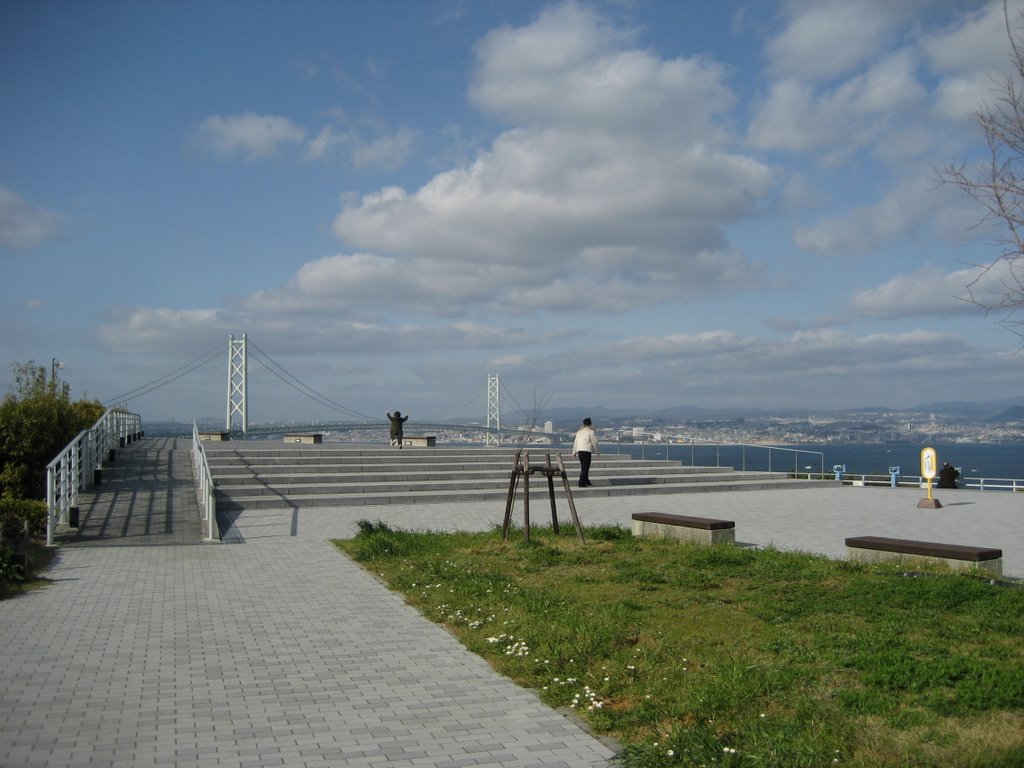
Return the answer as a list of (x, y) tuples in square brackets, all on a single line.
[(147, 497)]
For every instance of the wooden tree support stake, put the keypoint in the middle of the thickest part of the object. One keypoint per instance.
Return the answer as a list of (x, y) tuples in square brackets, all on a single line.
[(522, 468)]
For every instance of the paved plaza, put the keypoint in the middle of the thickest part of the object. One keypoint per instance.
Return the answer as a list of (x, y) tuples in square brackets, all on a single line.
[(149, 648)]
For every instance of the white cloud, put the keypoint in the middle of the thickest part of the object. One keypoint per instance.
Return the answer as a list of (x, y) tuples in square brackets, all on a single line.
[(157, 329), (24, 226), (797, 117), (971, 58), (248, 135), (387, 151), (911, 207), (823, 39), (570, 69), (181, 332), (976, 41), (617, 180), (959, 97), (927, 291), (823, 368)]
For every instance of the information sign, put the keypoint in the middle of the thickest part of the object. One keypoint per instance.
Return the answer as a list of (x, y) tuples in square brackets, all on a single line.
[(929, 463)]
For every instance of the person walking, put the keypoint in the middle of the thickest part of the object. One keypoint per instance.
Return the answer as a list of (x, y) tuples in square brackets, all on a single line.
[(396, 427), (585, 446)]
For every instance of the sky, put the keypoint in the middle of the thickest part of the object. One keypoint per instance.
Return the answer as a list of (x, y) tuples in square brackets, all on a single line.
[(620, 204)]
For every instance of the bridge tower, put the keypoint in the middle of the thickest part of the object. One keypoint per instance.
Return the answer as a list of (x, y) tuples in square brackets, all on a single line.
[(237, 359), (493, 410)]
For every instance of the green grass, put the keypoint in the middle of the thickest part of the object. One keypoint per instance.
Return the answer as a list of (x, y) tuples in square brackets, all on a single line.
[(725, 656)]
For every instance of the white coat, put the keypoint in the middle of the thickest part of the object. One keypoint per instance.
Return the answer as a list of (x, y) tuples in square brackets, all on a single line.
[(586, 440)]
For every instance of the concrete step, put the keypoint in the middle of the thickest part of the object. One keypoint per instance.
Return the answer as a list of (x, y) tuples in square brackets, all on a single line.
[(253, 474), (404, 473), (538, 493), (405, 457), (289, 485)]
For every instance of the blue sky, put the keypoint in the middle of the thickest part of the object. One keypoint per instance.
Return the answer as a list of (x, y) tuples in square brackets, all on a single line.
[(619, 204)]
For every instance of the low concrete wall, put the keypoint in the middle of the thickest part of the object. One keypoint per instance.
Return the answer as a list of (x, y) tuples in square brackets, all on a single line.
[(856, 554), (216, 437), (649, 529), (424, 441)]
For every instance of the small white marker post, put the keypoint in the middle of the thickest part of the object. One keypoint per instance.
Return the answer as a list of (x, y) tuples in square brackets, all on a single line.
[(929, 464)]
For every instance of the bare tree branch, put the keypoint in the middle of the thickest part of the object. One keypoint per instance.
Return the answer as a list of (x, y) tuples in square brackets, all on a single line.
[(998, 186)]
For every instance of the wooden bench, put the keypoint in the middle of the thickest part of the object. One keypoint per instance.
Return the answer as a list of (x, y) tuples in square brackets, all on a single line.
[(957, 557), (313, 438), (702, 530)]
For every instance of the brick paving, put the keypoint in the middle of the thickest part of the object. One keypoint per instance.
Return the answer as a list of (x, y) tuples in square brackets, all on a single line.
[(280, 652), (150, 648)]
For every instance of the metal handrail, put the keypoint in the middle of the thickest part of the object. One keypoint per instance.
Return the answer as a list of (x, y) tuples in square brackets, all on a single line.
[(693, 444), (917, 481), (204, 486), (74, 468)]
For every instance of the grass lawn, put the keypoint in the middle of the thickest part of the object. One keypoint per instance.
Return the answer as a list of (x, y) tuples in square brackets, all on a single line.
[(727, 656)]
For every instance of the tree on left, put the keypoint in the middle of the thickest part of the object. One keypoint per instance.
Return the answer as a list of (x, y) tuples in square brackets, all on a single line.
[(37, 420)]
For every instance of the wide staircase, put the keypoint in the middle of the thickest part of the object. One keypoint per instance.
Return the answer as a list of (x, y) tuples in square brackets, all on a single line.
[(270, 475)]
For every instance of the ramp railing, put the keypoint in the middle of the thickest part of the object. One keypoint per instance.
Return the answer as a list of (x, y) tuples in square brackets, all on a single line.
[(78, 466), (204, 486)]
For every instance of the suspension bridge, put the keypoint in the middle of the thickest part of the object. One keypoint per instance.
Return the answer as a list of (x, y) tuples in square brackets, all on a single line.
[(340, 418)]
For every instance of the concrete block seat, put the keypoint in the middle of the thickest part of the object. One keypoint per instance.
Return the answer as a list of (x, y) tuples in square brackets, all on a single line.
[(958, 557), (702, 530)]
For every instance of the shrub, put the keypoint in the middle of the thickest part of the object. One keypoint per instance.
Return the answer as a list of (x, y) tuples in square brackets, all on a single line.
[(15, 512)]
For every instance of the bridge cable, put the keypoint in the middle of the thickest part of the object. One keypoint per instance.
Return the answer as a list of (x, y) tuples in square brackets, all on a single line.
[(533, 415), (166, 379), (291, 380), (467, 401), (526, 413)]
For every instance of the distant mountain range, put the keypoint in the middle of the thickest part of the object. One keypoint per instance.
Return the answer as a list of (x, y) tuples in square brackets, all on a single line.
[(1016, 413), (982, 412), (994, 411)]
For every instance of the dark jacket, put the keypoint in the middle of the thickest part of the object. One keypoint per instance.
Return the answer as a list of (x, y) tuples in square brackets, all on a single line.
[(948, 476), (396, 423)]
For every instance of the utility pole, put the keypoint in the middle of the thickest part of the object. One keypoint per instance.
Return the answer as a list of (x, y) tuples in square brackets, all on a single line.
[(54, 365), (237, 379)]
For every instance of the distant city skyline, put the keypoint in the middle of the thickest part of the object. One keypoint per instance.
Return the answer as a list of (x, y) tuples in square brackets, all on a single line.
[(610, 205)]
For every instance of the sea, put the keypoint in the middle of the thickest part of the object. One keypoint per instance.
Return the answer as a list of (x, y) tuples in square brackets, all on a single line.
[(987, 460)]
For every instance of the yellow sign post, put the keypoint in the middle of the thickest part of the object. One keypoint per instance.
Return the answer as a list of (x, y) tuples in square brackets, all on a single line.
[(929, 468)]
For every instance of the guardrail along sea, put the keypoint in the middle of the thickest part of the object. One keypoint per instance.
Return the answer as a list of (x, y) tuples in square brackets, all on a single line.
[(989, 460)]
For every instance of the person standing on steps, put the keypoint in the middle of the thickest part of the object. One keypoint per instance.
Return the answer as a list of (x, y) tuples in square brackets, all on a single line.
[(396, 427), (585, 446)]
